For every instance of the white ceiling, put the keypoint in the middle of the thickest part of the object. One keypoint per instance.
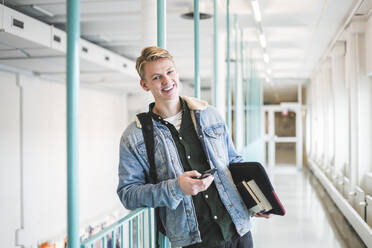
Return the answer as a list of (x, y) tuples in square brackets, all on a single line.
[(297, 31)]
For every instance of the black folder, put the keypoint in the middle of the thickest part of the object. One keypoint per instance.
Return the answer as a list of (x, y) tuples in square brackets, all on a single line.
[(253, 170)]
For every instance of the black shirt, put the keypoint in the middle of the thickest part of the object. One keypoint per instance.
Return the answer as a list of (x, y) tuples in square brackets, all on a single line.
[(215, 224)]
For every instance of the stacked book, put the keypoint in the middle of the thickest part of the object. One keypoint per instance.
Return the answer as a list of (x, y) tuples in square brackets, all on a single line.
[(253, 197), (255, 188)]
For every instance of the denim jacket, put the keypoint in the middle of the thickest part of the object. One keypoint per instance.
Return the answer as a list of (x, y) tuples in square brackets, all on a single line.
[(177, 211)]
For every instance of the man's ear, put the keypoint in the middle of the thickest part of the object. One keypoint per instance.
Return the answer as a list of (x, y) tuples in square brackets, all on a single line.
[(143, 85)]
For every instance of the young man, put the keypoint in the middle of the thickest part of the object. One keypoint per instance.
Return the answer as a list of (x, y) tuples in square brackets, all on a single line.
[(190, 137)]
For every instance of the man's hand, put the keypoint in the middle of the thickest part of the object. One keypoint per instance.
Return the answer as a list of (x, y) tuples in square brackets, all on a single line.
[(192, 186), (262, 215)]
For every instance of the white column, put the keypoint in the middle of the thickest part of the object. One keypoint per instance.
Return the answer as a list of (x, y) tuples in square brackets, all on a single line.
[(369, 47), (341, 109), (238, 92), (325, 98), (309, 114), (319, 118), (271, 142), (365, 108), (311, 104), (353, 81), (148, 24), (299, 134)]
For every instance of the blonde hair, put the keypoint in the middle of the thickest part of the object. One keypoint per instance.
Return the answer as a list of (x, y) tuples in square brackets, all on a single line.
[(149, 54)]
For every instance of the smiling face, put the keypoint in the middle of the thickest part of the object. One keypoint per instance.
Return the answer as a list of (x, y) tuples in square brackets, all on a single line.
[(161, 79)]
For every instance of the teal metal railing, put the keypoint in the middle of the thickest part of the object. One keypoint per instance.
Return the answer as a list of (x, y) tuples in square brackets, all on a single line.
[(161, 23), (228, 73), (121, 234), (254, 149), (72, 116), (215, 51), (196, 49)]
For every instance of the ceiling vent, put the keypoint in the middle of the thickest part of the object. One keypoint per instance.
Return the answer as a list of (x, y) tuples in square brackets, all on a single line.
[(364, 8)]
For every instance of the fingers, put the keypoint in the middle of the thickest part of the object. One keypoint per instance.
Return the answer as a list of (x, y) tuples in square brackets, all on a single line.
[(192, 173), (262, 215), (192, 186), (207, 181), (202, 184)]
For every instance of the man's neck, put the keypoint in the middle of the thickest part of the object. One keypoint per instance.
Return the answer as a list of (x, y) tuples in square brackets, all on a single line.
[(168, 108)]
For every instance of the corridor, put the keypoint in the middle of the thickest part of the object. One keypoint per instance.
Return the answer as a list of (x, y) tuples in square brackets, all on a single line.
[(311, 220)]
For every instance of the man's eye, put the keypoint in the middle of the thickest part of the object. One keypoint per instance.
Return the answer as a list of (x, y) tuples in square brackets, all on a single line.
[(170, 72), (156, 78)]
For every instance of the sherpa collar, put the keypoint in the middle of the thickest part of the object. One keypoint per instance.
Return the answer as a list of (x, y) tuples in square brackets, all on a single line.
[(192, 102)]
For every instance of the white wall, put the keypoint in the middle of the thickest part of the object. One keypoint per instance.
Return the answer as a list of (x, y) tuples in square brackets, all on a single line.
[(33, 192), (352, 92), (10, 202)]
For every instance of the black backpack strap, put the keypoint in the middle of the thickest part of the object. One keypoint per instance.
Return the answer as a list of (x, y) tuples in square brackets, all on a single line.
[(148, 137)]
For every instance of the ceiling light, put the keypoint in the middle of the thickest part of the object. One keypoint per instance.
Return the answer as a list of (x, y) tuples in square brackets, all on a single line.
[(41, 10), (268, 71), (256, 10), (203, 12), (266, 58), (105, 38), (202, 16), (267, 79), (262, 40)]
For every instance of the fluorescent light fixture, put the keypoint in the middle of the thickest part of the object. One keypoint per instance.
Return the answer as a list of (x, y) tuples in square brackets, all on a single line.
[(105, 38), (266, 58), (262, 39), (41, 10), (268, 71), (267, 79), (256, 11)]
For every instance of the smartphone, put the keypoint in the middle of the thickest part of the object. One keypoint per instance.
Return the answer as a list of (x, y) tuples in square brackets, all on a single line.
[(207, 172)]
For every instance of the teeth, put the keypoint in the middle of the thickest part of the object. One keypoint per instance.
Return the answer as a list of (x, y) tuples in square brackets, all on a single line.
[(170, 87)]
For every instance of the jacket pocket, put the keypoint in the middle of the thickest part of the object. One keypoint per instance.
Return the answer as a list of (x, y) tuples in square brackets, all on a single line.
[(215, 140), (215, 131)]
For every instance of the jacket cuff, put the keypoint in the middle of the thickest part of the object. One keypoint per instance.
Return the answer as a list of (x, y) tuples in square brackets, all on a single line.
[(175, 189)]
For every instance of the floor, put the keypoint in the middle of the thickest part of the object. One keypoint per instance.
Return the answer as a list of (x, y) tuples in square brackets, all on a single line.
[(306, 223)]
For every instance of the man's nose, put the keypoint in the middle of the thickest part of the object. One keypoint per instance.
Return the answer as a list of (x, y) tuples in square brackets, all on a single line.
[(165, 79)]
